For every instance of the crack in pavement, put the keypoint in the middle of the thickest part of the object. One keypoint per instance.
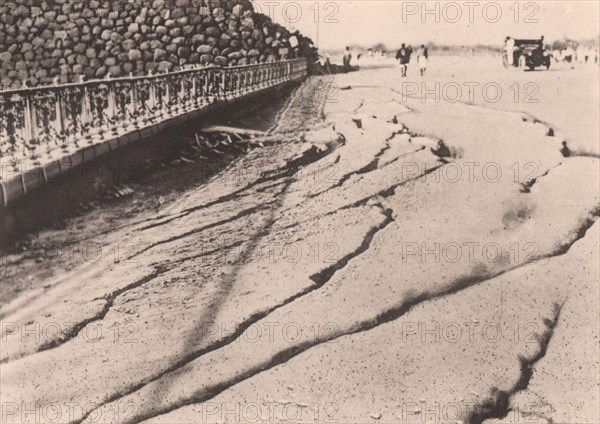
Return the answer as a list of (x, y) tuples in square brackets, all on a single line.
[(109, 301), (525, 116), (582, 230), (110, 298), (420, 149), (382, 318), (577, 154), (242, 214), (266, 188), (498, 404), (319, 279), (371, 166), (141, 221), (174, 264), (269, 176), (385, 193), (223, 199), (526, 187), (362, 103), (390, 191)]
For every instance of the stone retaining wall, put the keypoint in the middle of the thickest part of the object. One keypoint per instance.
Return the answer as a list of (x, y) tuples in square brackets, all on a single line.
[(41, 40)]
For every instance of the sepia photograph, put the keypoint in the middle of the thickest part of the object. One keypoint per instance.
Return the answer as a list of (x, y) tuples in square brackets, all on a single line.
[(299, 212)]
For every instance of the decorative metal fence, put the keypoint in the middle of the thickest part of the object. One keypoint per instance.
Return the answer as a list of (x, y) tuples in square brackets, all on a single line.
[(38, 121)]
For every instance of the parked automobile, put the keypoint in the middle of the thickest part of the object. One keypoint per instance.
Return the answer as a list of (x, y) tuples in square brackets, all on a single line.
[(528, 54)]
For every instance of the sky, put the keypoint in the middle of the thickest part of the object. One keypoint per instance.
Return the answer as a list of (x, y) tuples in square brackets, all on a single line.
[(366, 22)]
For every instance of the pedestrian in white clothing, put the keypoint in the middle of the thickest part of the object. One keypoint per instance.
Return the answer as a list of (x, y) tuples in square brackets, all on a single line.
[(422, 59), (510, 50)]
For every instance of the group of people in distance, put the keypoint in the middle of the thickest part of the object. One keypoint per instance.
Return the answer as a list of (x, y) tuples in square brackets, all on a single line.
[(324, 66), (404, 54)]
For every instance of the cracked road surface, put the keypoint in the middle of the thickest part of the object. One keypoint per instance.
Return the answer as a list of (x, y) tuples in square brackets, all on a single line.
[(346, 275)]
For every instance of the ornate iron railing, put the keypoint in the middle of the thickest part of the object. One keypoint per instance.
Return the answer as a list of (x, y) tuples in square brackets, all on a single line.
[(39, 121)]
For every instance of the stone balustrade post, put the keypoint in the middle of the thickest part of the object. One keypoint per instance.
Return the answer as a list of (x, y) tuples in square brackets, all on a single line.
[(259, 73), (133, 105), (208, 85), (166, 101), (152, 100), (59, 123), (195, 103), (265, 75), (29, 133), (181, 98), (86, 115), (224, 83), (111, 110)]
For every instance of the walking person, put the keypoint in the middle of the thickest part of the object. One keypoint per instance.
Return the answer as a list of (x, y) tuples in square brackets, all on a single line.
[(347, 60), (422, 58), (404, 57), (325, 63), (510, 50)]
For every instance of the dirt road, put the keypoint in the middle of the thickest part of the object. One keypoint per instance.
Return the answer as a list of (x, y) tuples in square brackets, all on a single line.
[(348, 274)]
